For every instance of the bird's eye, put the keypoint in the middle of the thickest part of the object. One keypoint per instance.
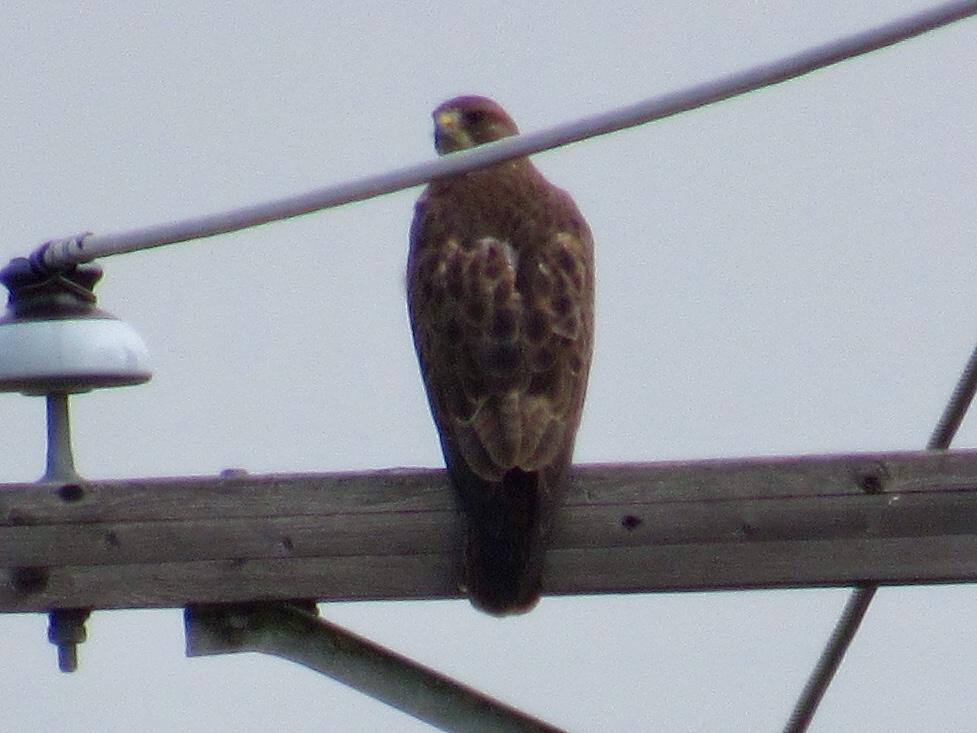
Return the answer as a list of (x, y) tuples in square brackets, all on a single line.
[(474, 117)]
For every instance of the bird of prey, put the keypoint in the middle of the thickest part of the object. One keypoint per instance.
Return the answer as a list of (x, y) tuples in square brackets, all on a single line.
[(500, 288)]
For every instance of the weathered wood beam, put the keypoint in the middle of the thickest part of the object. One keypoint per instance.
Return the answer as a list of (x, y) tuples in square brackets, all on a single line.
[(394, 534)]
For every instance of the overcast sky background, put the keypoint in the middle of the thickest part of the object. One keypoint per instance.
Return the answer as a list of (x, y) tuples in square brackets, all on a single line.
[(789, 272)]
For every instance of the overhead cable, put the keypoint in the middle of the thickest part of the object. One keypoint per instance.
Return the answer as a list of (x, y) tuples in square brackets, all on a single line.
[(87, 246)]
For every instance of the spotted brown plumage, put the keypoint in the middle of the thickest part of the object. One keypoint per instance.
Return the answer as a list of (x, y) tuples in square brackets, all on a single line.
[(500, 282)]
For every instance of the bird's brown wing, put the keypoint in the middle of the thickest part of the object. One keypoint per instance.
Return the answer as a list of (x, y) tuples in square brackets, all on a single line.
[(500, 291), (504, 331)]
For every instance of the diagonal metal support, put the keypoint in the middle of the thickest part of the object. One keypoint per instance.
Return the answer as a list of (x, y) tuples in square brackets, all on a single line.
[(298, 635)]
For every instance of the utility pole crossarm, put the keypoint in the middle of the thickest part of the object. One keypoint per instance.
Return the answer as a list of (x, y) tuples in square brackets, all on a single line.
[(745, 523)]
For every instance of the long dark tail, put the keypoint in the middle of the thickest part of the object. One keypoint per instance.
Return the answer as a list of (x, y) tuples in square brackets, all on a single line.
[(507, 524)]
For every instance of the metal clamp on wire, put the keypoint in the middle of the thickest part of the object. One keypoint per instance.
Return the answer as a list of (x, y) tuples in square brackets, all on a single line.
[(46, 258)]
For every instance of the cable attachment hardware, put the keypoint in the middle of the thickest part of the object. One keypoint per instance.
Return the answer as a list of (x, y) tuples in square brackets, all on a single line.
[(69, 249), (55, 342), (53, 337)]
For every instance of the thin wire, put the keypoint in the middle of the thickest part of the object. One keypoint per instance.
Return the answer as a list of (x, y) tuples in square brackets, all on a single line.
[(956, 409), (861, 598), (87, 246), (830, 659)]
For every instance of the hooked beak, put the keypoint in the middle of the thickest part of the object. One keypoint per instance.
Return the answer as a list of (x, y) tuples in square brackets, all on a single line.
[(449, 134)]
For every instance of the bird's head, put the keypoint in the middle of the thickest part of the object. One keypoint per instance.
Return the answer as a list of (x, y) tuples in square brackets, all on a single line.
[(465, 122)]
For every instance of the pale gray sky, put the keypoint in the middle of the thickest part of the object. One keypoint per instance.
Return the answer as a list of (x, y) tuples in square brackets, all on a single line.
[(789, 272)]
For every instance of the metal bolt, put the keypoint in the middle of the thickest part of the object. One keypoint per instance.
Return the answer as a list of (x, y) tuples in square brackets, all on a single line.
[(66, 629)]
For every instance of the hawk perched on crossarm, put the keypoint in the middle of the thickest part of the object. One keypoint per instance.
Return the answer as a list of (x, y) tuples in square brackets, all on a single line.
[(500, 285)]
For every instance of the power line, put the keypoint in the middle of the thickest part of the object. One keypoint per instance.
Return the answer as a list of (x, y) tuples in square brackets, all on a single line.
[(86, 247)]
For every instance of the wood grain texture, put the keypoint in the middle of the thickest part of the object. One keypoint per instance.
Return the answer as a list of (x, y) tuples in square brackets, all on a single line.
[(750, 523)]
